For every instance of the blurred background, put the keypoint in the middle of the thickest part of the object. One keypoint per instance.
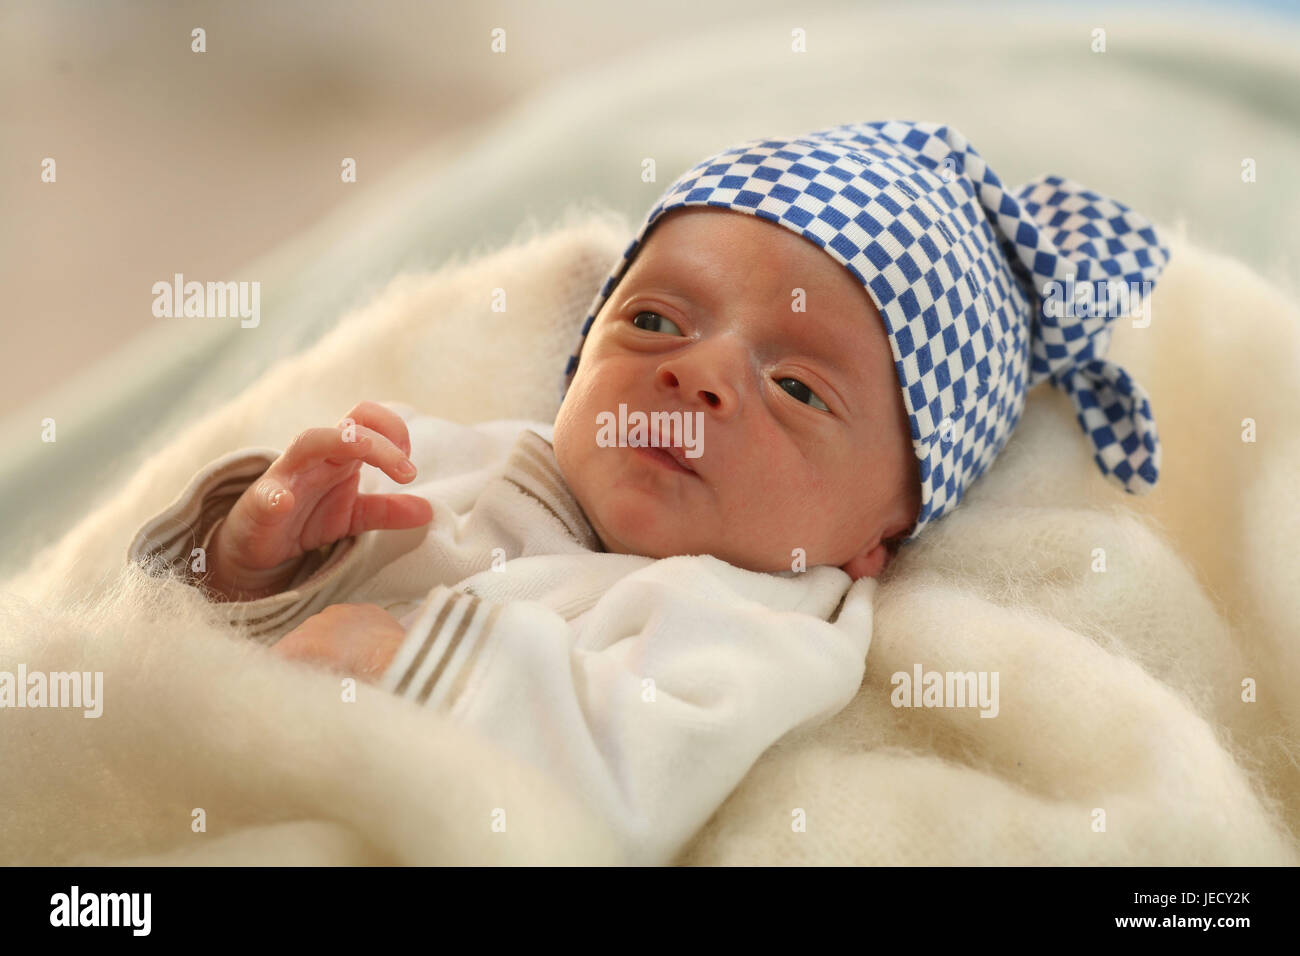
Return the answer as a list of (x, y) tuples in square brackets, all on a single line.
[(225, 165)]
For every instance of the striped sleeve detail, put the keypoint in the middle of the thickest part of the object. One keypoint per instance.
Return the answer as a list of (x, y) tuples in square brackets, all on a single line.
[(167, 542), (532, 469), (310, 591), (442, 649)]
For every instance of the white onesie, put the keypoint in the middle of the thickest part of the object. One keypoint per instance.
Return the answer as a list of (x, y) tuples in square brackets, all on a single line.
[(647, 688)]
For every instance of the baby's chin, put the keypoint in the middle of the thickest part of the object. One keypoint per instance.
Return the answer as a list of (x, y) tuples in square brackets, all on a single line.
[(631, 527), (636, 524)]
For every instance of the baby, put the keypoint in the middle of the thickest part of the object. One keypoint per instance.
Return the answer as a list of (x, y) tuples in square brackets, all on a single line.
[(852, 317)]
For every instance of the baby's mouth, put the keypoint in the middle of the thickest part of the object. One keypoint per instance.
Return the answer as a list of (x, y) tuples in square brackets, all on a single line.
[(654, 440), (678, 455), (676, 452), (666, 456)]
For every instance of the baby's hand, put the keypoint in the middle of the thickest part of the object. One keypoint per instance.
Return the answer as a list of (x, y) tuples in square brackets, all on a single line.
[(358, 640), (308, 498)]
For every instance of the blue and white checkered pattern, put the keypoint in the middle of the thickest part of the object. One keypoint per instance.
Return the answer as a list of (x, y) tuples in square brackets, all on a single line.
[(961, 270)]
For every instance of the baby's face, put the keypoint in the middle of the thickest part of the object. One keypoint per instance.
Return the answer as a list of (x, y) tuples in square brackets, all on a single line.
[(804, 435)]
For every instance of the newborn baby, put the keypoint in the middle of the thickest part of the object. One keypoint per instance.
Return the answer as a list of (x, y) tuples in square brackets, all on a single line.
[(852, 317), (806, 456)]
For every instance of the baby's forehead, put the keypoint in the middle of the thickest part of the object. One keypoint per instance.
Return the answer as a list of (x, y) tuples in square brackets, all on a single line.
[(772, 258)]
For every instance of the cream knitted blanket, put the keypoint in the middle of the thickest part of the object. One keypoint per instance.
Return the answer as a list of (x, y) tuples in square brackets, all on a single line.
[(1147, 650)]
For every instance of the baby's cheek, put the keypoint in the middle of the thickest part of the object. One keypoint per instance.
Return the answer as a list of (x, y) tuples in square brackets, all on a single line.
[(754, 527)]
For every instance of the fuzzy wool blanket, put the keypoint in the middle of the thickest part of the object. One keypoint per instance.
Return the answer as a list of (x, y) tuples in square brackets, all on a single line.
[(1147, 649)]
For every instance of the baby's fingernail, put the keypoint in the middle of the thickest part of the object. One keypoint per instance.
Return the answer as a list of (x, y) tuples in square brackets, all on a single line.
[(406, 467)]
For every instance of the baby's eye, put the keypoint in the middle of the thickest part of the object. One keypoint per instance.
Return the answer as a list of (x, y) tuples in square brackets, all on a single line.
[(801, 387), (656, 316)]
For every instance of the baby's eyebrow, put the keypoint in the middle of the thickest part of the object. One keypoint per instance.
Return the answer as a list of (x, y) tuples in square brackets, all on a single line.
[(831, 356), (696, 295)]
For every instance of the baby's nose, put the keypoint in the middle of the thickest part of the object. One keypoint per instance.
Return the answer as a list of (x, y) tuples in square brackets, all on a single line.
[(716, 396), (705, 381)]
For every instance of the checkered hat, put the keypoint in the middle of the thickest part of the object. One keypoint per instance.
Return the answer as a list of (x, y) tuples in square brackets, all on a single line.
[(985, 291)]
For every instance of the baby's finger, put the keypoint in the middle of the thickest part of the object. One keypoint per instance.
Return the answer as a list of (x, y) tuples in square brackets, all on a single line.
[(389, 512), (385, 421), (338, 446), (326, 444), (385, 455)]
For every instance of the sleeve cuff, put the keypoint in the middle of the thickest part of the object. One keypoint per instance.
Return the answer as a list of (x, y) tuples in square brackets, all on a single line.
[(167, 542), (270, 618)]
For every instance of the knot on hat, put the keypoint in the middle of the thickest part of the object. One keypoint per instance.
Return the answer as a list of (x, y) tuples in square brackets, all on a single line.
[(1089, 261), (1084, 260)]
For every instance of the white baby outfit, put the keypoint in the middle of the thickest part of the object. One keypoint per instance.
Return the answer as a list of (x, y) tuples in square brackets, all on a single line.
[(647, 688)]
